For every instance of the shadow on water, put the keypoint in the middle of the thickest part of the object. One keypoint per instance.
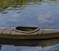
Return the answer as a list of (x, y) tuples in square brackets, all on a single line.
[(30, 42), (19, 42), (47, 44)]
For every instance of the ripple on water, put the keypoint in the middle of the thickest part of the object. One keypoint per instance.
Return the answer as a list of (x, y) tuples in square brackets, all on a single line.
[(50, 48)]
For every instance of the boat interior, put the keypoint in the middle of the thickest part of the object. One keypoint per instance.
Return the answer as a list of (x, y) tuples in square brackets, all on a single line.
[(27, 29)]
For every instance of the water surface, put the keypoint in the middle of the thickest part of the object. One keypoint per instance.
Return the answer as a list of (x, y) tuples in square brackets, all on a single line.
[(38, 13), (41, 13)]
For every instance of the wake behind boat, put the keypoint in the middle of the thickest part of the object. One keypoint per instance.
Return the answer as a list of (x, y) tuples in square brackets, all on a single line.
[(28, 33)]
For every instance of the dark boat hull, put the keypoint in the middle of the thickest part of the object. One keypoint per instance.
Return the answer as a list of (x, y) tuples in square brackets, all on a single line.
[(36, 36)]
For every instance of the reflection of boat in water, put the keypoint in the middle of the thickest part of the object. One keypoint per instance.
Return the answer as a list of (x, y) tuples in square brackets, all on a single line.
[(19, 42), (0, 46), (28, 32), (30, 42)]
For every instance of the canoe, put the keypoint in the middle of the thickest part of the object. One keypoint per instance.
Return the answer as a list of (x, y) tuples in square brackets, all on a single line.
[(21, 32)]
